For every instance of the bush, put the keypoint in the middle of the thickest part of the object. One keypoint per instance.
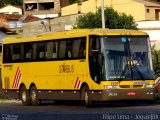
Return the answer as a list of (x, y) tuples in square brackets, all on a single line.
[(3, 96), (155, 65)]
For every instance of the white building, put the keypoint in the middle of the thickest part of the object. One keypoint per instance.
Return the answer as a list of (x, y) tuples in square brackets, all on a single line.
[(153, 29), (9, 9)]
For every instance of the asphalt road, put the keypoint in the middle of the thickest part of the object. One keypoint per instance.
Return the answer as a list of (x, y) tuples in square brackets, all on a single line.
[(14, 110)]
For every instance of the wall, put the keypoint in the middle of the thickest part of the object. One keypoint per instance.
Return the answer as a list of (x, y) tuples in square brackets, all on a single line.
[(56, 24), (136, 9), (69, 10)]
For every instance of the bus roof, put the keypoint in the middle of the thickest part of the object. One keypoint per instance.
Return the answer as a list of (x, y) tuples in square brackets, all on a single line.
[(74, 33)]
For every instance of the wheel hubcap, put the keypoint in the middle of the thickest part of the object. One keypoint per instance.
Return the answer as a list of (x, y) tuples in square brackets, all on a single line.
[(24, 97), (33, 96), (86, 97)]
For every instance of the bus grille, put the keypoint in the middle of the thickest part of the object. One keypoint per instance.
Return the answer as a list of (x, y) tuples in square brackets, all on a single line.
[(124, 86), (7, 81), (130, 86), (137, 86)]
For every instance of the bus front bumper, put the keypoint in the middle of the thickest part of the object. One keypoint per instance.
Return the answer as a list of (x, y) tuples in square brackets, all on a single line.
[(122, 94)]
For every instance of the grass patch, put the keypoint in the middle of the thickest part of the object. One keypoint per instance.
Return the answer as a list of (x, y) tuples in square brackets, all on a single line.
[(3, 96)]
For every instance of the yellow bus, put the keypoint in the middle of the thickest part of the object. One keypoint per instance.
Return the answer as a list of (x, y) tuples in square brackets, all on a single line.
[(0, 64), (87, 64)]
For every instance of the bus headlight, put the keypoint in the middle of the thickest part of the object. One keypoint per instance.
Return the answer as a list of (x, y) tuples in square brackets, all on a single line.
[(149, 86), (110, 87)]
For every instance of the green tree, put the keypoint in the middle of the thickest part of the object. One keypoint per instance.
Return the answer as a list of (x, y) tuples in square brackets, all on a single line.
[(16, 2), (76, 1), (155, 54), (90, 20), (3, 3), (11, 2), (113, 20)]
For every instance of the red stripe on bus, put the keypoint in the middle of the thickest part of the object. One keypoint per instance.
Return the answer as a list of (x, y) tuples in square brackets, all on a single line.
[(17, 78), (76, 83)]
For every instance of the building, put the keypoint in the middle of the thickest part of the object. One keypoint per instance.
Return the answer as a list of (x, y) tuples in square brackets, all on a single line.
[(139, 9), (9, 9), (15, 22), (153, 29), (44, 8)]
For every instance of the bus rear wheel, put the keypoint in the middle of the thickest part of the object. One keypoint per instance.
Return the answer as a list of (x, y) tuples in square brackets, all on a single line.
[(85, 97), (34, 96), (24, 96)]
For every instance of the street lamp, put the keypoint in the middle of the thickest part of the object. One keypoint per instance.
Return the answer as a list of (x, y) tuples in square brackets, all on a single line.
[(102, 11)]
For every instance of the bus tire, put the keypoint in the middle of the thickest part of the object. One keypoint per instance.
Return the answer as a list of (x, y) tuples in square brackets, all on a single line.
[(85, 97), (34, 96), (24, 96)]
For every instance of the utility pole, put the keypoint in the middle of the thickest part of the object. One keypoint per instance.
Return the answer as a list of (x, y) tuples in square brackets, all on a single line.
[(102, 11)]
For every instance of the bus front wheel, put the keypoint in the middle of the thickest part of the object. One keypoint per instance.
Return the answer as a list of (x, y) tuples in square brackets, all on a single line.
[(24, 96), (85, 97), (34, 96)]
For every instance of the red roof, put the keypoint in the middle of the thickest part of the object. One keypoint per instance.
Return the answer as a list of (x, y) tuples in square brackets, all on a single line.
[(16, 17), (10, 16), (30, 18), (6, 30)]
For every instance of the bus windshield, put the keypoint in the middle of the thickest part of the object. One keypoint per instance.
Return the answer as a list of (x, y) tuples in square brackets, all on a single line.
[(126, 58)]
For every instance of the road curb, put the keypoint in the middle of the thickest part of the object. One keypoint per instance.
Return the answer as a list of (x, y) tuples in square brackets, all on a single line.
[(10, 101)]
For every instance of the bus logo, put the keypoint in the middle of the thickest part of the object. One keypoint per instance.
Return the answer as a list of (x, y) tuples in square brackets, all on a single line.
[(77, 84), (17, 78)]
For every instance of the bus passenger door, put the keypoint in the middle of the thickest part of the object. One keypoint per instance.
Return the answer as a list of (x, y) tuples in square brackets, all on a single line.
[(94, 59)]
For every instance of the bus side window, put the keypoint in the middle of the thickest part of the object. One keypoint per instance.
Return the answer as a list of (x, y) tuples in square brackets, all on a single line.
[(82, 49), (15, 56), (28, 51), (51, 49), (16, 52), (40, 50), (68, 53), (41, 55), (7, 54), (62, 49), (54, 50), (28, 55)]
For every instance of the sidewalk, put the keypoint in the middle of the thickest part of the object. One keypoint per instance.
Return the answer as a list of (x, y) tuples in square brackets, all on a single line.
[(9, 101), (4, 98)]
